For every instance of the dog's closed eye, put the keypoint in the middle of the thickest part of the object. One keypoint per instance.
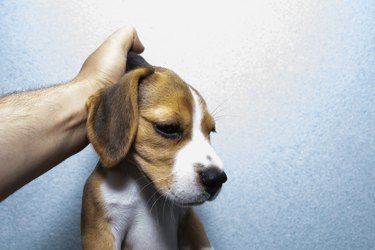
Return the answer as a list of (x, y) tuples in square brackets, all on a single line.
[(171, 131)]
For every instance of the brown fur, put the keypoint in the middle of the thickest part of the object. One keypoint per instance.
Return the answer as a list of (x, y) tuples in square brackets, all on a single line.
[(112, 118), (120, 124), (163, 91), (95, 230), (191, 233)]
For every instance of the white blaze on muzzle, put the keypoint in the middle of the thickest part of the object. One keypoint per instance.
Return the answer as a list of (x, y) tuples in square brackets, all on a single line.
[(187, 187)]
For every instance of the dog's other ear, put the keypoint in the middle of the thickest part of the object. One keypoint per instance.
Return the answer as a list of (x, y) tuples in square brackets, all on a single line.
[(113, 117), (135, 61)]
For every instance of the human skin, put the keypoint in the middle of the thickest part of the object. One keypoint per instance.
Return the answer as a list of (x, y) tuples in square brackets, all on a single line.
[(41, 128)]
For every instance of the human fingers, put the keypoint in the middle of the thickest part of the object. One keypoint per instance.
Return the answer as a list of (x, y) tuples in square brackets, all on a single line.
[(126, 38)]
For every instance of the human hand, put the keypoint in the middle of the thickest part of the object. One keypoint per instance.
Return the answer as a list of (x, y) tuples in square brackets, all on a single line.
[(58, 118), (106, 65)]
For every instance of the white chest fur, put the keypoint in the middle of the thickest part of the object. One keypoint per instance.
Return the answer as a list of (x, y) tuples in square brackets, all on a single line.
[(139, 216)]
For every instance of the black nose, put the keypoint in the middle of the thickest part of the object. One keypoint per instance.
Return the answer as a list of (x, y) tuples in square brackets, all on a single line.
[(212, 179)]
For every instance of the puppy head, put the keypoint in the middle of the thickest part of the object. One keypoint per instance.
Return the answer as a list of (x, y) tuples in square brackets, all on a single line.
[(153, 118)]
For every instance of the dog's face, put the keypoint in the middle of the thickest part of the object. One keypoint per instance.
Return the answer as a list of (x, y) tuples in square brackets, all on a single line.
[(168, 132), (172, 145)]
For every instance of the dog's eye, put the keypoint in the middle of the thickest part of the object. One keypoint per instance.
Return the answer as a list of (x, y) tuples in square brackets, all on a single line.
[(169, 131)]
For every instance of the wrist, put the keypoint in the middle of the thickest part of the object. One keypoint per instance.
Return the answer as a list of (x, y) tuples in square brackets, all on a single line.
[(84, 88), (71, 121)]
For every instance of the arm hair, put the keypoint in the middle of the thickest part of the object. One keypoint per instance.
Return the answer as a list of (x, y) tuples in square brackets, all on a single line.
[(38, 130)]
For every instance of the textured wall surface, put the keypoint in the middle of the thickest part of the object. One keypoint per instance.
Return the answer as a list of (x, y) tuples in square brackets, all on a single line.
[(294, 86)]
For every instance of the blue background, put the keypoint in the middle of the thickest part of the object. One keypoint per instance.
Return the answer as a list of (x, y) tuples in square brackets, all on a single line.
[(294, 86)]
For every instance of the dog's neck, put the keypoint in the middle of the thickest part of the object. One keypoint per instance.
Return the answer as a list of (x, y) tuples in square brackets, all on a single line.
[(136, 208)]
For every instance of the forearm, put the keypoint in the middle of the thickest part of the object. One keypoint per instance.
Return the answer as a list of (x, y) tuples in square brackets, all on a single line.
[(39, 129)]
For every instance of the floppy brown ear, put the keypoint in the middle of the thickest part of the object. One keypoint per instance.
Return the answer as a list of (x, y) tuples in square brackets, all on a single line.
[(113, 117)]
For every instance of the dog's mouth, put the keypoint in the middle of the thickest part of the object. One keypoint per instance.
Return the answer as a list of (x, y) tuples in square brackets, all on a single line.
[(185, 200), (187, 197), (214, 195), (193, 201), (195, 195), (189, 204)]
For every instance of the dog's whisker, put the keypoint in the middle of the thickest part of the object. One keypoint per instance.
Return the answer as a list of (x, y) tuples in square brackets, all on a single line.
[(231, 115), (163, 211), (152, 196), (155, 202), (150, 182), (218, 106), (155, 181), (229, 97), (172, 213), (157, 191), (217, 118), (218, 111), (140, 178), (145, 186)]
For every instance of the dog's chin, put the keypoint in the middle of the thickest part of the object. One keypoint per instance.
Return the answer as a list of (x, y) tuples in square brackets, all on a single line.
[(189, 204), (188, 201), (198, 202)]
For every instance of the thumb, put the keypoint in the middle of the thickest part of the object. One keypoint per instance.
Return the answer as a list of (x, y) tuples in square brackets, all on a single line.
[(128, 38)]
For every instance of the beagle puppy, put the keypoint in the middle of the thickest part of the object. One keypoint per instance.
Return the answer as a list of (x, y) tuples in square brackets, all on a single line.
[(152, 133)]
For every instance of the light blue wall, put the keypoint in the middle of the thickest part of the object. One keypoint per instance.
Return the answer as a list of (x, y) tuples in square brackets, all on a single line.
[(295, 85)]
